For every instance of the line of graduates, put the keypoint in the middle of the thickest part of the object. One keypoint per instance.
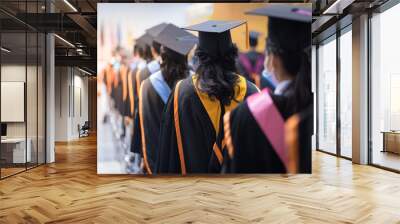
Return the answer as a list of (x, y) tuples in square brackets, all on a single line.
[(220, 112)]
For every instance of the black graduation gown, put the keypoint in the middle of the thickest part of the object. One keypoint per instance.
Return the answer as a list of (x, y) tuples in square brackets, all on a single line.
[(265, 83), (121, 105), (305, 131), (249, 150), (133, 107), (145, 73), (114, 91), (196, 127), (151, 105), (138, 76), (132, 92)]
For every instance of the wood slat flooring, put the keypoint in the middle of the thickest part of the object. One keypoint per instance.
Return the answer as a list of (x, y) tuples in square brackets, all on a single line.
[(70, 191)]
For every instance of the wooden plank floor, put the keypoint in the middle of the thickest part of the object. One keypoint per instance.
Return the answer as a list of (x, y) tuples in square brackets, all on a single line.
[(69, 191)]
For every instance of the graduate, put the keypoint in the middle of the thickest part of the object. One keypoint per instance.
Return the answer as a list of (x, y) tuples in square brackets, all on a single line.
[(143, 72), (251, 63), (107, 77), (144, 41), (138, 56), (191, 128), (112, 72), (154, 65), (119, 92), (138, 61), (255, 132), (154, 91), (141, 59)]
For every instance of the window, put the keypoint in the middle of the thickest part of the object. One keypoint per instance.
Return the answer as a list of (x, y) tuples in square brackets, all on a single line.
[(385, 89), (346, 94), (327, 96)]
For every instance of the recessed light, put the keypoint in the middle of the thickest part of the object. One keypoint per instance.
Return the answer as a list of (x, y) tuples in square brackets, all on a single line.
[(64, 40), (5, 50), (70, 5), (84, 71)]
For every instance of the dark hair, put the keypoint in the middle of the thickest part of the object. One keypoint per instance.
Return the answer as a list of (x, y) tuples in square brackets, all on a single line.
[(147, 56), (253, 42), (217, 75), (297, 64), (174, 66), (137, 49), (157, 47)]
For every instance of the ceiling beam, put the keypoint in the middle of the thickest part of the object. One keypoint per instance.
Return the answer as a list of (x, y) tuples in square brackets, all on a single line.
[(84, 24), (79, 61), (337, 7)]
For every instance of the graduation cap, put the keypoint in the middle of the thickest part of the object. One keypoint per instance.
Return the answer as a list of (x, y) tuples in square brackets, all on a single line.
[(288, 12), (176, 39), (214, 36), (145, 39), (155, 30), (289, 26)]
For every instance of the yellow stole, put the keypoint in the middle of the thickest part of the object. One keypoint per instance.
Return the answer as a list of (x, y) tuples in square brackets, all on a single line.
[(213, 106)]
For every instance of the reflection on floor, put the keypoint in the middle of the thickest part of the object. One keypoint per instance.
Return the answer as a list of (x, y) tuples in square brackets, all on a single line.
[(387, 159), (12, 169), (70, 191), (346, 152)]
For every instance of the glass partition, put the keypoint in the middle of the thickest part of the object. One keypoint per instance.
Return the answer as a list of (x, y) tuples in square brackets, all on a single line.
[(22, 90), (14, 153), (41, 107), (31, 98), (385, 89), (346, 93), (327, 96)]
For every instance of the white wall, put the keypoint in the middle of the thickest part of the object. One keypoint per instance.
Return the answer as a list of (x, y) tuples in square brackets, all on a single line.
[(16, 73), (10, 73), (62, 81), (71, 93), (33, 126)]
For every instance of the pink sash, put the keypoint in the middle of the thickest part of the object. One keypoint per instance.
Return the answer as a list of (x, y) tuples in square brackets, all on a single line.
[(257, 69), (270, 122)]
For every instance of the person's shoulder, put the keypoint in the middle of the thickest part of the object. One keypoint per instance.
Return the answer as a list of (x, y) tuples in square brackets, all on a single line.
[(146, 88), (251, 88), (239, 117), (186, 87), (144, 71), (141, 65), (146, 84)]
